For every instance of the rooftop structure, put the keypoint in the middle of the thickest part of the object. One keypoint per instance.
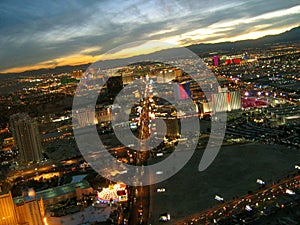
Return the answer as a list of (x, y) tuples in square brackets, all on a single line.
[(61, 193)]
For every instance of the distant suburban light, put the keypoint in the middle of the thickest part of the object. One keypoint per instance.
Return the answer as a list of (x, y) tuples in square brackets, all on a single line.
[(160, 189), (290, 192), (297, 167), (218, 198), (259, 181), (168, 216), (248, 208), (165, 217)]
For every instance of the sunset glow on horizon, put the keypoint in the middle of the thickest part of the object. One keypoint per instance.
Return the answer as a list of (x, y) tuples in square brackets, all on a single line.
[(51, 41)]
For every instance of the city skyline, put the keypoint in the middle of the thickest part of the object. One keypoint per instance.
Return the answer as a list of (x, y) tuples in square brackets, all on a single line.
[(53, 172), (48, 34)]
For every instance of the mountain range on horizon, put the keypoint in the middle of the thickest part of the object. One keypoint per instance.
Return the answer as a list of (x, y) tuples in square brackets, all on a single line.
[(291, 36), (285, 37)]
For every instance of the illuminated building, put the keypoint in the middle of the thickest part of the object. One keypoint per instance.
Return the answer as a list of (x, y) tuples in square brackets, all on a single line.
[(220, 102), (205, 107), (26, 135), (85, 117), (7, 210), (77, 74), (177, 73), (61, 193), (104, 114), (8, 143), (234, 100), (172, 128), (226, 101), (233, 61), (128, 77), (28, 210), (216, 60), (166, 75), (182, 91), (114, 193), (252, 102)]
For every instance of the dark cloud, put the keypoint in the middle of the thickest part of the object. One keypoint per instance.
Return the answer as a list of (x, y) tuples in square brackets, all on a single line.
[(38, 31)]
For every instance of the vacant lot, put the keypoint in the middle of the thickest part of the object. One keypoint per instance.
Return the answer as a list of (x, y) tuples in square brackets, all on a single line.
[(233, 173)]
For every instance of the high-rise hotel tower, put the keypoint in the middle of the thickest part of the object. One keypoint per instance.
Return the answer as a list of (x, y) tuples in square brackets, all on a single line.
[(26, 135)]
